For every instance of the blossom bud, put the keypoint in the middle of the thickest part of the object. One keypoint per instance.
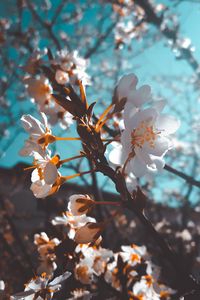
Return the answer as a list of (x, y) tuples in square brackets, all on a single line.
[(80, 204), (61, 77)]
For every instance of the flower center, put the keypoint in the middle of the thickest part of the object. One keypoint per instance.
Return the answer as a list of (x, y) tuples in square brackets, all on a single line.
[(144, 133), (134, 257)]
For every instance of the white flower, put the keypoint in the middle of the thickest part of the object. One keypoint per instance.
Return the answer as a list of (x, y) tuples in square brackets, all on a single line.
[(135, 98), (94, 262), (185, 235), (99, 255), (102, 256), (144, 289), (45, 245), (75, 222), (79, 204), (83, 271), (40, 134), (144, 140), (34, 61), (45, 177), (61, 77), (57, 114), (39, 89), (111, 274), (40, 288), (133, 254), (125, 85), (72, 64)]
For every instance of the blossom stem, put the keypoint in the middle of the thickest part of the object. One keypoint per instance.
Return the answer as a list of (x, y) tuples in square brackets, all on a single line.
[(29, 168), (69, 159), (107, 203), (99, 122), (58, 138), (78, 174)]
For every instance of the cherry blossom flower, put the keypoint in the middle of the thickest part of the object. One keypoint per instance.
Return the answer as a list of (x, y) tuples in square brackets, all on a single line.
[(111, 274), (144, 140), (126, 84), (45, 178), (133, 254), (94, 262), (73, 65), (80, 204), (61, 77), (99, 255), (57, 114), (41, 288), (34, 61), (144, 289), (40, 135), (74, 222), (83, 271), (39, 89), (127, 93), (44, 244), (46, 250)]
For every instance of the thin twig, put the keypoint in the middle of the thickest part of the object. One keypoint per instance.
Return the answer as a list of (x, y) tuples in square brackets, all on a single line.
[(180, 174)]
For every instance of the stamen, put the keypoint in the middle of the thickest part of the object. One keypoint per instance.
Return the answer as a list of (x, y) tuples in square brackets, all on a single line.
[(144, 133)]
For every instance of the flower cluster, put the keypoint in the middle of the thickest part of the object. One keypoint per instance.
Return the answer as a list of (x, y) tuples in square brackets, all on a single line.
[(144, 139), (139, 149), (45, 176), (130, 267), (67, 68), (70, 67), (82, 229), (41, 287), (46, 248)]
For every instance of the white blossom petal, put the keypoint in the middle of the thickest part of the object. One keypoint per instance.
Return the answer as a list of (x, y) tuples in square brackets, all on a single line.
[(167, 124), (126, 83), (50, 173)]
